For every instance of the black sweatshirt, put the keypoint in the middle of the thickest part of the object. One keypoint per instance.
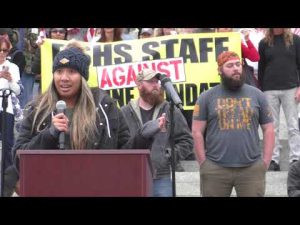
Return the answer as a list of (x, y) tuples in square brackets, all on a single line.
[(278, 68)]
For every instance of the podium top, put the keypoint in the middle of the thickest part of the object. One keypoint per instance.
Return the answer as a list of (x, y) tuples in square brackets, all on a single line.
[(91, 152), (85, 173)]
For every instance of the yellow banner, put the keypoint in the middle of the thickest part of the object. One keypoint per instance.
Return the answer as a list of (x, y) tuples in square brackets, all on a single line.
[(188, 59)]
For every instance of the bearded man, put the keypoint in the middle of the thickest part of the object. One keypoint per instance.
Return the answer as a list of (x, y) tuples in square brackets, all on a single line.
[(149, 108), (225, 131)]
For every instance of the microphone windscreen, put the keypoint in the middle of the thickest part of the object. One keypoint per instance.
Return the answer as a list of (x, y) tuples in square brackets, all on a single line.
[(61, 106)]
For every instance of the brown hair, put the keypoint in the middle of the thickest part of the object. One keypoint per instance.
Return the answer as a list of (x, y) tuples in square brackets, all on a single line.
[(287, 36), (6, 42), (117, 35)]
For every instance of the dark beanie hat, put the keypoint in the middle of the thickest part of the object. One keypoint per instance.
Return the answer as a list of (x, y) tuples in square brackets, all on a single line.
[(72, 58)]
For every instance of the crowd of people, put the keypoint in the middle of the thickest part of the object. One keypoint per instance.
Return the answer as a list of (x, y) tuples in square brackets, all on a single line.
[(222, 132)]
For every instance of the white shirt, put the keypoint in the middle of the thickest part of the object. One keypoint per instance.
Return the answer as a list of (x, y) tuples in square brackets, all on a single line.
[(12, 85)]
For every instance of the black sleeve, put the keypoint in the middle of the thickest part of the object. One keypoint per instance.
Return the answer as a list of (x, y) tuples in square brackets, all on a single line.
[(19, 60), (297, 45), (123, 132), (28, 141), (261, 63), (36, 64), (137, 141), (183, 140), (293, 181)]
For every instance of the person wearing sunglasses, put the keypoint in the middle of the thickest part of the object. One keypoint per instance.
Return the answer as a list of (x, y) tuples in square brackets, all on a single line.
[(58, 33), (54, 33)]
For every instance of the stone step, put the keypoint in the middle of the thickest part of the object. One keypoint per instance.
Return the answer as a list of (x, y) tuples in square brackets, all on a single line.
[(188, 184)]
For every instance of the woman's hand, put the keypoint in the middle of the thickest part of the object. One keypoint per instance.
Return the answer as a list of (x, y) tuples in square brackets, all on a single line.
[(61, 122), (6, 75)]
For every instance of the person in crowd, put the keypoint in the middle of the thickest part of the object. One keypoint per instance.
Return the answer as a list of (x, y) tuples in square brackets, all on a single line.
[(15, 55), (148, 107), (293, 180), (249, 52), (248, 49), (91, 120), (146, 33), (53, 33), (225, 126), (187, 30), (76, 33), (10, 87), (92, 35), (164, 31), (111, 34), (29, 51), (130, 33), (278, 76)]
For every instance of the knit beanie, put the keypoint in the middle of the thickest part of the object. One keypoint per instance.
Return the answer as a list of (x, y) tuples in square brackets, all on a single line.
[(72, 58)]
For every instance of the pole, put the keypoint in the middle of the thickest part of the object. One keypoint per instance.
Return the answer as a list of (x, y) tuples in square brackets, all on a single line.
[(4, 94), (173, 155)]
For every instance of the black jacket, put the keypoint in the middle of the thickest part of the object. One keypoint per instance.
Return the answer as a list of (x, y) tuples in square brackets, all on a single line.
[(36, 64), (112, 129), (160, 147), (17, 57)]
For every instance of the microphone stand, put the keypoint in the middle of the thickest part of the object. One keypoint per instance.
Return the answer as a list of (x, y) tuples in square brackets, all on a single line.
[(173, 163), (172, 145), (4, 94)]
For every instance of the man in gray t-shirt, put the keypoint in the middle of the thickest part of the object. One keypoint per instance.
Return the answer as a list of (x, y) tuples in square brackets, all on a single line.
[(225, 131)]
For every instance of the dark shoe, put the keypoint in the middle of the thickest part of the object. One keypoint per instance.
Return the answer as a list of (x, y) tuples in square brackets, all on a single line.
[(179, 167), (11, 177), (274, 166), (191, 157), (294, 161)]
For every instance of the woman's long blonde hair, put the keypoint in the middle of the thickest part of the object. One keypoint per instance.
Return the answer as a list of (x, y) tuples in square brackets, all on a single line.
[(287, 35)]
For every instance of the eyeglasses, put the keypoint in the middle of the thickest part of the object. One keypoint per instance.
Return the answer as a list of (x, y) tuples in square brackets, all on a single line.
[(4, 50), (58, 31)]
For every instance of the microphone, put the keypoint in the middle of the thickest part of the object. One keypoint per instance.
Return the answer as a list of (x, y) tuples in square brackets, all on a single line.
[(170, 90), (60, 108)]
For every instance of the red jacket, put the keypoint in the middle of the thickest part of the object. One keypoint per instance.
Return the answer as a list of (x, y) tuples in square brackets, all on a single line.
[(250, 52)]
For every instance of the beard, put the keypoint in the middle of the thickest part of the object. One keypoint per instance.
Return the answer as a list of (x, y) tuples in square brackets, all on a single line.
[(232, 84), (154, 97)]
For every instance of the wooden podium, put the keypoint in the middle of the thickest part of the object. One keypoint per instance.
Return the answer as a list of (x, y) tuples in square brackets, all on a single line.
[(85, 173)]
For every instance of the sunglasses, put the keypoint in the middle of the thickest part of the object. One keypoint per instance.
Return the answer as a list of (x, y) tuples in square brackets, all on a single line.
[(58, 31), (4, 50)]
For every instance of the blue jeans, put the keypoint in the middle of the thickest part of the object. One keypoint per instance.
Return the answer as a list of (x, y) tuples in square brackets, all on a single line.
[(162, 187), (27, 81)]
